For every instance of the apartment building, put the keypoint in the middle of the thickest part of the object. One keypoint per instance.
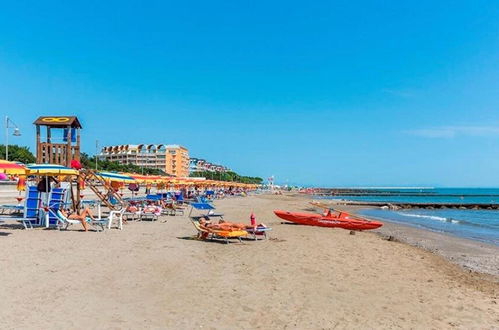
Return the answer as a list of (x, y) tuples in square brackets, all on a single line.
[(170, 158)]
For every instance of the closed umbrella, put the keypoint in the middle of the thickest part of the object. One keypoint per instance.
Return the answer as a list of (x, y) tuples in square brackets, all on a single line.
[(21, 184)]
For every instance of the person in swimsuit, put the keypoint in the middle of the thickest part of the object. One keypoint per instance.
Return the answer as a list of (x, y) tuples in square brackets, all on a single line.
[(81, 216)]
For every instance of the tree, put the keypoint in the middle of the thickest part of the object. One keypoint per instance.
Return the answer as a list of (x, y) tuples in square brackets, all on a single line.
[(227, 176), (18, 153)]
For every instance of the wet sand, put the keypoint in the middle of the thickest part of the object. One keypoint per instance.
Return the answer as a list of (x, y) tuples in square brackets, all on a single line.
[(154, 275), (472, 255)]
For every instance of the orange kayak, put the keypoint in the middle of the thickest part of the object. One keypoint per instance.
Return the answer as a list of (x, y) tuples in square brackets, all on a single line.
[(338, 220)]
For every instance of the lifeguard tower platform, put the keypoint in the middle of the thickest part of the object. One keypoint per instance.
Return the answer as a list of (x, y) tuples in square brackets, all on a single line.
[(61, 144)]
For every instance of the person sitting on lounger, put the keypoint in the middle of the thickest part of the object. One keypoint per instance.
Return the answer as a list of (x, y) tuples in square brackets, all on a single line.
[(81, 216), (152, 208)]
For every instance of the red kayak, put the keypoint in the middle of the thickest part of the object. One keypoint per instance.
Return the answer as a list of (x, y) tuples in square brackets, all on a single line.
[(336, 220)]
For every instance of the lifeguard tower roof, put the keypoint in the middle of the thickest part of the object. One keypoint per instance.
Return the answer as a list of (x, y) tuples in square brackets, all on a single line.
[(58, 121)]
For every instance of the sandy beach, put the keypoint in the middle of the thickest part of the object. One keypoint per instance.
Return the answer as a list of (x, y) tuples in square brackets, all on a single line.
[(154, 275)]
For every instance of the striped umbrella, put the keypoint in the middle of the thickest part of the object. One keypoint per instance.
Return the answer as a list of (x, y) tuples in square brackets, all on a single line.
[(116, 177), (50, 169), (144, 178), (11, 167)]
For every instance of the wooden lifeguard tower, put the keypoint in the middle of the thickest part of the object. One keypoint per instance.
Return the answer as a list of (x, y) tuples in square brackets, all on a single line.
[(67, 145)]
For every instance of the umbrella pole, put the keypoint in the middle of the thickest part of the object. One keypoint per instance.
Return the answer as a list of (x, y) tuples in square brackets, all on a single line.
[(47, 199), (78, 193), (73, 201)]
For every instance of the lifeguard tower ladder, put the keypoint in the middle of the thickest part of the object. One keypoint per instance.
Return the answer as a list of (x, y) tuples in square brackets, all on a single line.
[(62, 152)]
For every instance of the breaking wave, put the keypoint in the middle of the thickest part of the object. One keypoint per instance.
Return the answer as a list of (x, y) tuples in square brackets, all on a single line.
[(431, 217)]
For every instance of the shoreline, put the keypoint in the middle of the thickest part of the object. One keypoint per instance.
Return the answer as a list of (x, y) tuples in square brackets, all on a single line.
[(471, 255)]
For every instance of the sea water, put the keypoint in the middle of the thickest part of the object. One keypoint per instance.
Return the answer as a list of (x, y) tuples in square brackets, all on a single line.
[(480, 225)]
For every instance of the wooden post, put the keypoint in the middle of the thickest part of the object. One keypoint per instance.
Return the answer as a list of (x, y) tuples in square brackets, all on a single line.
[(78, 192), (77, 147), (49, 152), (68, 147), (38, 146)]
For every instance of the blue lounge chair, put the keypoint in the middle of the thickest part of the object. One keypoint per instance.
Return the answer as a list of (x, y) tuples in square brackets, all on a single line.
[(203, 199), (31, 212), (57, 200), (153, 197), (204, 207)]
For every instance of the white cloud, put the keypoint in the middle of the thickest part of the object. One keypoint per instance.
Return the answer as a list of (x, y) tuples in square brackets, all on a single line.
[(453, 131)]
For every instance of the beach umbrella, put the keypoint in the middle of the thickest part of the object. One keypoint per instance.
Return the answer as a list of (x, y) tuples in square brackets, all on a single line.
[(11, 167), (116, 177), (50, 170), (145, 178)]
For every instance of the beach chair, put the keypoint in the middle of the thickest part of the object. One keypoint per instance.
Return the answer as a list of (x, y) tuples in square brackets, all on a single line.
[(32, 214), (91, 203), (204, 207), (172, 208), (203, 200), (57, 200), (66, 222), (153, 216), (116, 215), (129, 215), (179, 198), (207, 233), (11, 209), (153, 198), (258, 231)]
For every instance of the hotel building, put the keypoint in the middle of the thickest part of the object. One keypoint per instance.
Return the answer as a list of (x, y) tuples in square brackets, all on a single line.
[(170, 158)]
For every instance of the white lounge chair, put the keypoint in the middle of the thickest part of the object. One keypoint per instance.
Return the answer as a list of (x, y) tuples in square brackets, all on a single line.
[(64, 221)]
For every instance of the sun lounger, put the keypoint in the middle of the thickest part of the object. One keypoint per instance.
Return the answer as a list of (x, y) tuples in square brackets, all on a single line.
[(128, 215), (205, 207), (57, 201), (66, 222), (258, 231), (172, 208), (89, 202), (101, 222), (207, 233), (32, 213), (11, 209), (153, 197), (153, 216)]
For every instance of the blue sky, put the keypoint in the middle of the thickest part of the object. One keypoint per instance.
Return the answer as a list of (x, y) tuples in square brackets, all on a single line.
[(329, 93)]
